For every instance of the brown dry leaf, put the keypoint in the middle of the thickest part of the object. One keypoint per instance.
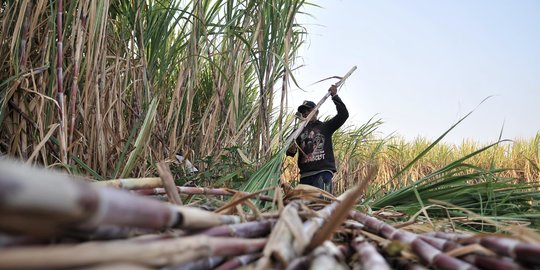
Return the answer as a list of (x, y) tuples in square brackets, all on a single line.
[(524, 234), (309, 193), (341, 212), (230, 207), (476, 248), (418, 227), (373, 237), (235, 200), (388, 214)]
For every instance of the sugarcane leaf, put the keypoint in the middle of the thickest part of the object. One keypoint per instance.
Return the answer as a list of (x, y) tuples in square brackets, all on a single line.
[(142, 138), (125, 149), (341, 212), (87, 168)]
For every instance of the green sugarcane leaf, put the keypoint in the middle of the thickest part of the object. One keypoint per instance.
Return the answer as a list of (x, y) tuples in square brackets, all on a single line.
[(142, 138)]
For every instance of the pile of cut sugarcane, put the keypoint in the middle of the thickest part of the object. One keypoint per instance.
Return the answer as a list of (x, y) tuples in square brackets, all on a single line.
[(50, 220)]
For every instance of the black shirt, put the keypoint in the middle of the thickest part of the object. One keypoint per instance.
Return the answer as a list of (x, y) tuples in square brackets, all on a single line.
[(315, 142)]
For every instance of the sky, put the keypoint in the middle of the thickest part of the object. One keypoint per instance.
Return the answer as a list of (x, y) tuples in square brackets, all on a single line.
[(422, 65)]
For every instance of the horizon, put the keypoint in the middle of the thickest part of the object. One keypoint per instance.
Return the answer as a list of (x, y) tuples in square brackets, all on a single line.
[(423, 65)]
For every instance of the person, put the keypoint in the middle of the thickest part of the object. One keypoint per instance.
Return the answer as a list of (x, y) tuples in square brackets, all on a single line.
[(316, 156)]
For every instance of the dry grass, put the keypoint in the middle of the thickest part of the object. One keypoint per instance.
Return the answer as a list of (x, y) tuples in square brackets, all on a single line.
[(143, 80)]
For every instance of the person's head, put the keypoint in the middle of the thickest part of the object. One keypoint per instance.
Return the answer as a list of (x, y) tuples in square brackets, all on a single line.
[(306, 108)]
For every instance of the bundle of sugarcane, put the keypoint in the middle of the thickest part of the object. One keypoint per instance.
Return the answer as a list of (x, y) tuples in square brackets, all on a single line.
[(53, 221)]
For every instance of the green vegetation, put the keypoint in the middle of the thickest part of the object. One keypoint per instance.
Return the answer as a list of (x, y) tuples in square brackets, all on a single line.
[(145, 80)]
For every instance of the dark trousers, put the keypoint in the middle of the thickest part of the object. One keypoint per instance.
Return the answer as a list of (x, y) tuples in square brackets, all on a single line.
[(321, 180)]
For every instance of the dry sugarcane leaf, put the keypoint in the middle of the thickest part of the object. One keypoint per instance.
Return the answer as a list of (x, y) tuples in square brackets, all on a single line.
[(416, 227), (327, 256), (373, 237), (241, 213), (342, 211), (278, 198), (133, 183), (241, 199), (279, 246), (387, 212), (308, 192), (45, 139), (168, 182), (474, 248), (293, 221), (253, 208), (523, 233), (404, 224), (232, 210), (116, 266)]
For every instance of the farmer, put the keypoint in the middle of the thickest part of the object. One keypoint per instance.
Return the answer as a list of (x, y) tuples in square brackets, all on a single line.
[(316, 158)]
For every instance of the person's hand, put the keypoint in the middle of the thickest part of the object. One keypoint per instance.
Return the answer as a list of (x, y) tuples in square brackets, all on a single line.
[(333, 90), (292, 148)]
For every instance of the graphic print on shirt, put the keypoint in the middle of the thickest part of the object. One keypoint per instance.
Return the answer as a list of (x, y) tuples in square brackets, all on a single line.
[(312, 144)]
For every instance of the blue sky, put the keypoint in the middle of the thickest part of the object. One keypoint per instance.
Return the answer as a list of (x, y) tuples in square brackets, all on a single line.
[(422, 65)]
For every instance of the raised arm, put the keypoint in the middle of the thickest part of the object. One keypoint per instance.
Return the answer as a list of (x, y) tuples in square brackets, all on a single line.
[(291, 151), (342, 113)]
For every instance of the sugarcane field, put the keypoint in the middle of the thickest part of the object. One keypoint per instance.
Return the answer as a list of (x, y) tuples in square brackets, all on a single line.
[(278, 134)]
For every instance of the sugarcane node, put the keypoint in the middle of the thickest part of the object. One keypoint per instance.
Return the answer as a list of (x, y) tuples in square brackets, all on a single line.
[(6, 188), (529, 253), (232, 230), (88, 199), (179, 220)]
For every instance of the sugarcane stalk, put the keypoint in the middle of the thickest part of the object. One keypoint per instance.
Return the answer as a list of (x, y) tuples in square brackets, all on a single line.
[(415, 267), (23, 56), (315, 224), (199, 190), (168, 182), (522, 252), (116, 266), (325, 256), (60, 201), (425, 251), (154, 186), (194, 218), (340, 212), (18, 240), (493, 263), (312, 225), (155, 253), (238, 261), (201, 264), (60, 81), (280, 242), (455, 237), (439, 243), (77, 62), (369, 257), (104, 232), (133, 183), (299, 263), (244, 230)]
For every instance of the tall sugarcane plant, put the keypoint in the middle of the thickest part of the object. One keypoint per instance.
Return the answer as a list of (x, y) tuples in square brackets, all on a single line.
[(212, 66)]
